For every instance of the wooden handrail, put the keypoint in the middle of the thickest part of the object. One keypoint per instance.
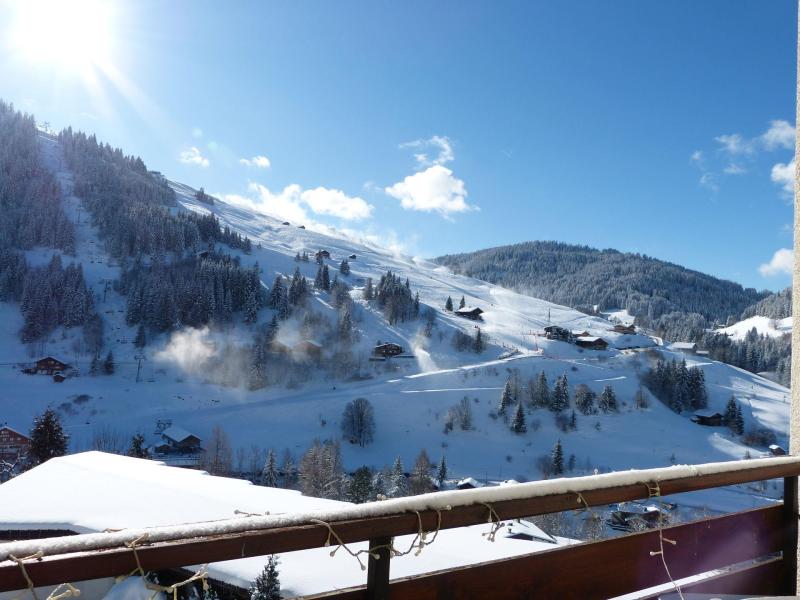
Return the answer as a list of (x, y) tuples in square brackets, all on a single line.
[(120, 560)]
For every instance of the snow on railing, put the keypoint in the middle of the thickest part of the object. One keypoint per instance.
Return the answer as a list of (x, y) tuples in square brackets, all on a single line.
[(436, 501)]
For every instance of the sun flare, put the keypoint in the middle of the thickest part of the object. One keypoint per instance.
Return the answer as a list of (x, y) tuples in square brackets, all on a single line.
[(71, 34)]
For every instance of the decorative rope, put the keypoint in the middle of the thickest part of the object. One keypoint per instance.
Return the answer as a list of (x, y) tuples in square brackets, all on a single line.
[(418, 543), (654, 491), (70, 592), (497, 524), (20, 562), (132, 545), (202, 575)]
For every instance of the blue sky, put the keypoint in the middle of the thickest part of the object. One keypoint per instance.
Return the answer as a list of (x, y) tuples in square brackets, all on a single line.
[(658, 127)]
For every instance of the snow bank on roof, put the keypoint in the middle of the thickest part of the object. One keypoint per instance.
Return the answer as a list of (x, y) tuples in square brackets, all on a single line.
[(117, 492), (176, 433)]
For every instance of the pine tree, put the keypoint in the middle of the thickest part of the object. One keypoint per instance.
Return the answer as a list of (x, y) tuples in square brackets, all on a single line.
[(137, 448), (108, 364), (462, 303), (557, 459), (344, 267), (369, 292), (518, 422), (479, 345), (540, 392), (48, 438), (326, 278), (608, 400), (360, 489), (267, 585), (269, 475), (141, 338), (397, 480), (573, 422), (730, 413), (584, 400), (739, 423), (506, 397), (448, 305), (560, 397), (441, 473)]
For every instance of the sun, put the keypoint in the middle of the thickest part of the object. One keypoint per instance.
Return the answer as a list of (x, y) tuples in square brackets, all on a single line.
[(71, 34)]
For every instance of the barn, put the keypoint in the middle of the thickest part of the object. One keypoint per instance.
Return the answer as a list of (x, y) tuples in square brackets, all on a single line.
[(13, 444), (624, 329), (47, 365), (472, 313), (388, 349), (709, 418), (591, 342)]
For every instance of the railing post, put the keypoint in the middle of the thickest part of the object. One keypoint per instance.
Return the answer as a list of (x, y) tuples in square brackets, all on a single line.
[(378, 569), (790, 524)]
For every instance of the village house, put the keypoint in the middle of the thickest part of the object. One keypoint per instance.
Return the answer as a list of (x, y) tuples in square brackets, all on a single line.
[(13, 444), (684, 347), (591, 342), (322, 254), (624, 329), (554, 332), (472, 313), (707, 417), (47, 366), (307, 349), (388, 349)]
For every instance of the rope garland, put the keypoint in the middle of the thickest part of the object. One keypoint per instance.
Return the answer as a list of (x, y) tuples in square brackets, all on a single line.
[(654, 491), (20, 562), (70, 592), (418, 543), (497, 524), (201, 575)]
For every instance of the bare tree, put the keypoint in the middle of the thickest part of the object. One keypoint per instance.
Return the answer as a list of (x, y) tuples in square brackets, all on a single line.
[(218, 459), (358, 422)]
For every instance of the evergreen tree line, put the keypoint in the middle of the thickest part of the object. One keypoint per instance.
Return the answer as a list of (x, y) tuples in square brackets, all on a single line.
[(394, 298), (191, 291), (54, 296), (30, 200), (580, 276), (677, 386)]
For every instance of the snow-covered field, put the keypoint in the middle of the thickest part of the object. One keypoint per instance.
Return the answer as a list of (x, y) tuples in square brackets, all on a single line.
[(411, 397), (763, 325)]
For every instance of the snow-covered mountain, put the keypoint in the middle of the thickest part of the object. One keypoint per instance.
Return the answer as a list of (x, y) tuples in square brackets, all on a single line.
[(174, 376), (762, 325)]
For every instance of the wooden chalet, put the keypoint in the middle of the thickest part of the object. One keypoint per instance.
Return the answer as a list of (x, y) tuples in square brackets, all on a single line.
[(322, 254), (685, 347), (776, 450), (554, 332), (308, 349), (286, 223), (352, 257), (276, 347), (472, 313), (624, 329), (13, 444), (708, 418), (468, 483), (634, 517), (176, 439), (47, 366), (387, 350), (591, 342)]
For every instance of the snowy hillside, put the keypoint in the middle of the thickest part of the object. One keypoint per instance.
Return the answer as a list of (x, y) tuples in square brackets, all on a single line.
[(762, 325), (411, 396)]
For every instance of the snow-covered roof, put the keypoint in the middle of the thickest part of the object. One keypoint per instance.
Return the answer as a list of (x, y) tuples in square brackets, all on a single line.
[(469, 481), (707, 412), (177, 434), (683, 346), (524, 528), (116, 492), (590, 339), (12, 430)]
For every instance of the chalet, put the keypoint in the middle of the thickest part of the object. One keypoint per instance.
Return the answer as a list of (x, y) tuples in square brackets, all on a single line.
[(468, 312), (301, 226), (308, 349), (47, 366), (522, 529), (624, 329), (554, 332), (388, 349), (175, 440), (468, 483), (352, 257), (635, 517), (707, 417), (591, 342), (578, 333), (286, 223), (13, 444), (59, 377), (276, 347), (774, 449), (685, 347), (322, 254)]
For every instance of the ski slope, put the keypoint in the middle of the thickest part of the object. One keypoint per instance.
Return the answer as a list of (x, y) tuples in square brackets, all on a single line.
[(410, 397), (762, 325)]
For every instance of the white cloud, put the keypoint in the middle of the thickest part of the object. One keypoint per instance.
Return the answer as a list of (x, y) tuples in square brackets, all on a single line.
[(734, 169), (783, 175), (193, 156), (324, 201), (440, 143), (432, 190), (292, 202), (697, 158), (709, 180), (779, 135), (782, 263), (734, 144), (260, 162)]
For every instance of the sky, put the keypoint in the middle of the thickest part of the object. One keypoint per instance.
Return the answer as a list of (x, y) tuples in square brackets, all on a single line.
[(664, 128)]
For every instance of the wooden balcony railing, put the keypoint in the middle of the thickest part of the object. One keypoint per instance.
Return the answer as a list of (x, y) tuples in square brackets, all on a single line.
[(754, 551)]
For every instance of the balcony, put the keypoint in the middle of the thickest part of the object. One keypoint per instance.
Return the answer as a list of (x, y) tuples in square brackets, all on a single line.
[(749, 552)]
